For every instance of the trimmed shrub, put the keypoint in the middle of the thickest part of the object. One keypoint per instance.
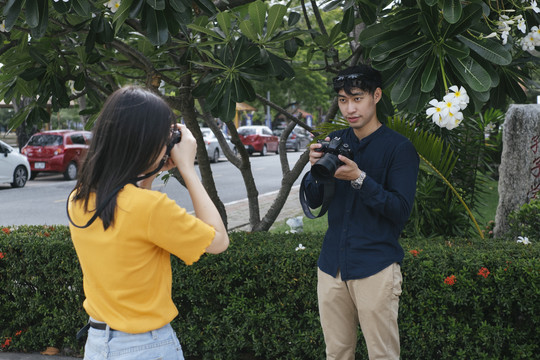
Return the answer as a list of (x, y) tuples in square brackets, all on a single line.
[(461, 299)]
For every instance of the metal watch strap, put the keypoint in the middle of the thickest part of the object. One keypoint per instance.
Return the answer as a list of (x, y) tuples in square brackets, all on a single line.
[(357, 183)]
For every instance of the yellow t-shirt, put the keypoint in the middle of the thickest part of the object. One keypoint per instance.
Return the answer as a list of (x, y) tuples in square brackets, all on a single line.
[(126, 269)]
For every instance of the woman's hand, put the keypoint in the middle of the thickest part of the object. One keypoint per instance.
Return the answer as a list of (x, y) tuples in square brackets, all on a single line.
[(183, 154)]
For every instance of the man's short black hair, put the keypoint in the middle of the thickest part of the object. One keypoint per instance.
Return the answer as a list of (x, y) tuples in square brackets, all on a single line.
[(363, 77)]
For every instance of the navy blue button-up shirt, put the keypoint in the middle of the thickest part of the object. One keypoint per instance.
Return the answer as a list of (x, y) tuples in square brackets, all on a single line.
[(364, 225)]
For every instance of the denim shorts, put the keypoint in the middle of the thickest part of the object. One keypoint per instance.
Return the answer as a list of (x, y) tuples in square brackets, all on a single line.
[(160, 344)]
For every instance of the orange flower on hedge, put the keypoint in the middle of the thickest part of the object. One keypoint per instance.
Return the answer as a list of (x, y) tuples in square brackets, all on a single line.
[(18, 333), (450, 280), (483, 272), (6, 231), (414, 252), (1, 255), (6, 343)]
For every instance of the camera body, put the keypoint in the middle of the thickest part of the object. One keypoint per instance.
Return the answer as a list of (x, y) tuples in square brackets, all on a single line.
[(327, 165)]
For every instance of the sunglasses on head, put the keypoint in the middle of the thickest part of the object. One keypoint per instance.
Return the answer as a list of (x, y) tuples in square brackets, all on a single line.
[(352, 80)]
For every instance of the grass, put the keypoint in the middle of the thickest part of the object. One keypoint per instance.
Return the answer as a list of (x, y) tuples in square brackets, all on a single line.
[(318, 225)]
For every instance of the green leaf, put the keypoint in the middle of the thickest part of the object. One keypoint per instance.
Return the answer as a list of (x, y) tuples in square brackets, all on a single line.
[(11, 11), (204, 30), (61, 7), (452, 10), (156, 4), (178, 6), (30, 74), (257, 15), (278, 67), (402, 89), (43, 10), (472, 73), (156, 27), (224, 20), (419, 55), (121, 14), (456, 49), (386, 47), (489, 49), (294, 17), (429, 75), (428, 26), (207, 6), (472, 14), (248, 30), (275, 18), (367, 13), (32, 13), (402, 19), (38, 56), (347, 24), (136, 8), (227, 106), (291, 47), (374, 34), (81, 7)]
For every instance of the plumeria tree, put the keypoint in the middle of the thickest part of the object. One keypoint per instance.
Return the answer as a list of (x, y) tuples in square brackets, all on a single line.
[(204, 56)]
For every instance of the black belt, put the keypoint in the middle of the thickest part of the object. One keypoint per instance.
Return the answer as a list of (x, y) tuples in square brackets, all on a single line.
[(99, 326), (93, 325)]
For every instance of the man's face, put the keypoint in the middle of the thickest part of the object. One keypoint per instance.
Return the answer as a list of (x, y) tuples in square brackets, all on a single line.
[(359, 107)]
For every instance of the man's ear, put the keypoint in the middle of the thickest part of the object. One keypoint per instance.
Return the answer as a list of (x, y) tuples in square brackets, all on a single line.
[(377, 95)]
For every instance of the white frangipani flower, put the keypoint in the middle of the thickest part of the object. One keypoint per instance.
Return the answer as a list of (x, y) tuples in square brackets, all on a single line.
[(447, 113), (300, 247), (528, 42), (3, 26), (535, 7), (435, 111), (489, 127), (523, 240), (458, 95), (521, 24), (113, 5)]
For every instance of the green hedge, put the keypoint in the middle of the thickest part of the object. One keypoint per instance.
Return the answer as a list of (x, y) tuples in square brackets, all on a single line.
[(461, 299)]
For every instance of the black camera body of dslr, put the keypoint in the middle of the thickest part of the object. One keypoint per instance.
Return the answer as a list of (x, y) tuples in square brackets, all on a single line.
[(327, 165)]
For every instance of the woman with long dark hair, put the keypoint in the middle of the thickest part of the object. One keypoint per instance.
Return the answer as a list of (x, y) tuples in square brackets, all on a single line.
[(124, 233)]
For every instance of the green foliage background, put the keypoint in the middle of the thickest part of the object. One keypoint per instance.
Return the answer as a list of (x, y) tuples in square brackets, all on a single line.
[(258, 299)]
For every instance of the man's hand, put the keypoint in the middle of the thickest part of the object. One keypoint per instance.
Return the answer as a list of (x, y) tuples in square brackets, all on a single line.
[(348, 171), (314, 156)]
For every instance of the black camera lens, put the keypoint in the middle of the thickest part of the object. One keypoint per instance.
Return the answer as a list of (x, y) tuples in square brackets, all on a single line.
[(326, 167)]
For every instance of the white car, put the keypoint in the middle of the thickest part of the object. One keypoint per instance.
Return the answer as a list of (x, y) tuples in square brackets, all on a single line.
[(14, 167), (212, 144)]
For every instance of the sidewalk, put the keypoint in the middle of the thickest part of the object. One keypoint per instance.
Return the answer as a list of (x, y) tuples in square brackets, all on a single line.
[(238, 218), (238, 211)]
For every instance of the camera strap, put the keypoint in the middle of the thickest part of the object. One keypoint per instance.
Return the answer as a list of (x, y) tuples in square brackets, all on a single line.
[(328, 195)]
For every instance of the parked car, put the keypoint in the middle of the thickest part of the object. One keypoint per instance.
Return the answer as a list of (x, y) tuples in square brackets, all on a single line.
[(299, 138), (14, 167), (212, 145), (258, 138), (59, 151)]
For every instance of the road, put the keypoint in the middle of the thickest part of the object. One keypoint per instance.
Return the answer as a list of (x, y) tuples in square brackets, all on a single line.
[(43, 200)]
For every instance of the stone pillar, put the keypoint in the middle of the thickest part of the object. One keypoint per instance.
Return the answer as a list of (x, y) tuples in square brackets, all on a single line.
[(519, 172)]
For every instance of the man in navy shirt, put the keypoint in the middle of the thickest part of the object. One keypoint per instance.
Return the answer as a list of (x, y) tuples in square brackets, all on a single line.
[(359, 275)]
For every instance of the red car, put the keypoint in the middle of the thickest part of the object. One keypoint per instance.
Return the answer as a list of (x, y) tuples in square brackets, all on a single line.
[(258, 138), (59, 151)]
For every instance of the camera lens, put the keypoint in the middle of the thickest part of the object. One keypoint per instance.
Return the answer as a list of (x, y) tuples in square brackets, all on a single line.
[(326, 167)]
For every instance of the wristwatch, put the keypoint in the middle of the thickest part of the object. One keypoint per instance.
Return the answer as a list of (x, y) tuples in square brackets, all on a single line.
[(357, 184)]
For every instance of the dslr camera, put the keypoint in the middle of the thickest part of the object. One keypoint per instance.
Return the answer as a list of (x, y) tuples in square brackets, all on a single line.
[(327, 165)]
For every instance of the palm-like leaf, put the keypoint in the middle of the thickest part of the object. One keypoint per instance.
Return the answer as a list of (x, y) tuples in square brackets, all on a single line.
[(435, 158)]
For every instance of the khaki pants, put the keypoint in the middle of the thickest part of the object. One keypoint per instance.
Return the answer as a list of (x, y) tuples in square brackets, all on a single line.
[(372, 302)]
